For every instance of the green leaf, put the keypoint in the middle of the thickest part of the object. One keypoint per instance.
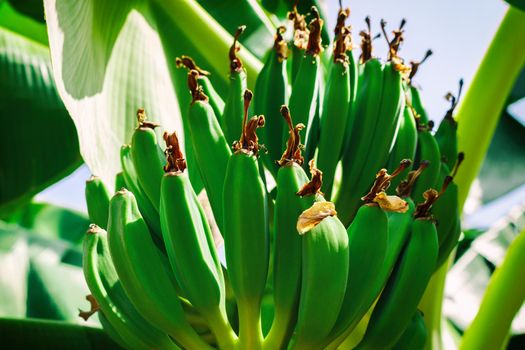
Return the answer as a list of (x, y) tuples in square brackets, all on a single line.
[(31, 8), (468, 278), (25, 26), (38, 141), (258, 36), (40, 277), (504, 166), (111, 58), (518, 91), (56, 291), (38, 334), (51, 221), (14, 267)]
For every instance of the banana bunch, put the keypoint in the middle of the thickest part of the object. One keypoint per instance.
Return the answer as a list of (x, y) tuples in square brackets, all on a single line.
[(305, 259)]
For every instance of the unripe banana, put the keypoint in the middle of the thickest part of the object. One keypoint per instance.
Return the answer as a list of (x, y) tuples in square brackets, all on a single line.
[(272, 91), (106, 287), (368, 238), (449, 243), (427, 150), (398, 301), (405, 146), (287, 243), (446, 135), (379, 104), (414, 336), (300, 41), (214, 98), (399, 224), (148, 158), (305, 89), (209, 145), (233, 107), (246, 230), (413, 92), (415, 101), (446, 212), (324, 274), (190, 246), (144, 273), (97, 200), (120, 182), (148, 211), (112, 332), (336, 103)]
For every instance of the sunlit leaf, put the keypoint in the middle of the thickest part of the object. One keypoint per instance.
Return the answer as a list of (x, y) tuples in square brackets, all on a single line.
[(112, 57)]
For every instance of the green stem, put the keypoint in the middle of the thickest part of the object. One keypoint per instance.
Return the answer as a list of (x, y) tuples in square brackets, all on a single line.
[(477, 120), (250, 331), (214, 41), (502, 300), (480, 110), (226, 337), (431, 304)]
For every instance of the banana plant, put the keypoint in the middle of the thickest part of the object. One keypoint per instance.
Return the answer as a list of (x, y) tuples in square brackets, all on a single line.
[(103, 76)]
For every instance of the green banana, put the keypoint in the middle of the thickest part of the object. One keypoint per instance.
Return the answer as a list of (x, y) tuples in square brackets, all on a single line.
[(446, 134), (300, 41), (305, 88), (214, 98), (446, 212), (398, 301), (209, 146), (413, 92), (368, 238), (144, 273), (449, 243), (336, 103), (180, 82), (399, 223), (271, 91), (148, 211), (120, 182), (111, 331), (246, 229), (233, 106), (190, 246), (406, 144), (376, 123), (287, 243), (107, 289), (148, 158), (427, 149), (414, 336), (325, 259), (97, 200), (446, 209)]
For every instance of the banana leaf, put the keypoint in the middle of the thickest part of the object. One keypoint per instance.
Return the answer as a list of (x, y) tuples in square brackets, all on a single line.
[(40, 277), (38, 141)]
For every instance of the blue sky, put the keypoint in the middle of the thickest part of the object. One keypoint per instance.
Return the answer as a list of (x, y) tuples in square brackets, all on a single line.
[(457, 31)]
